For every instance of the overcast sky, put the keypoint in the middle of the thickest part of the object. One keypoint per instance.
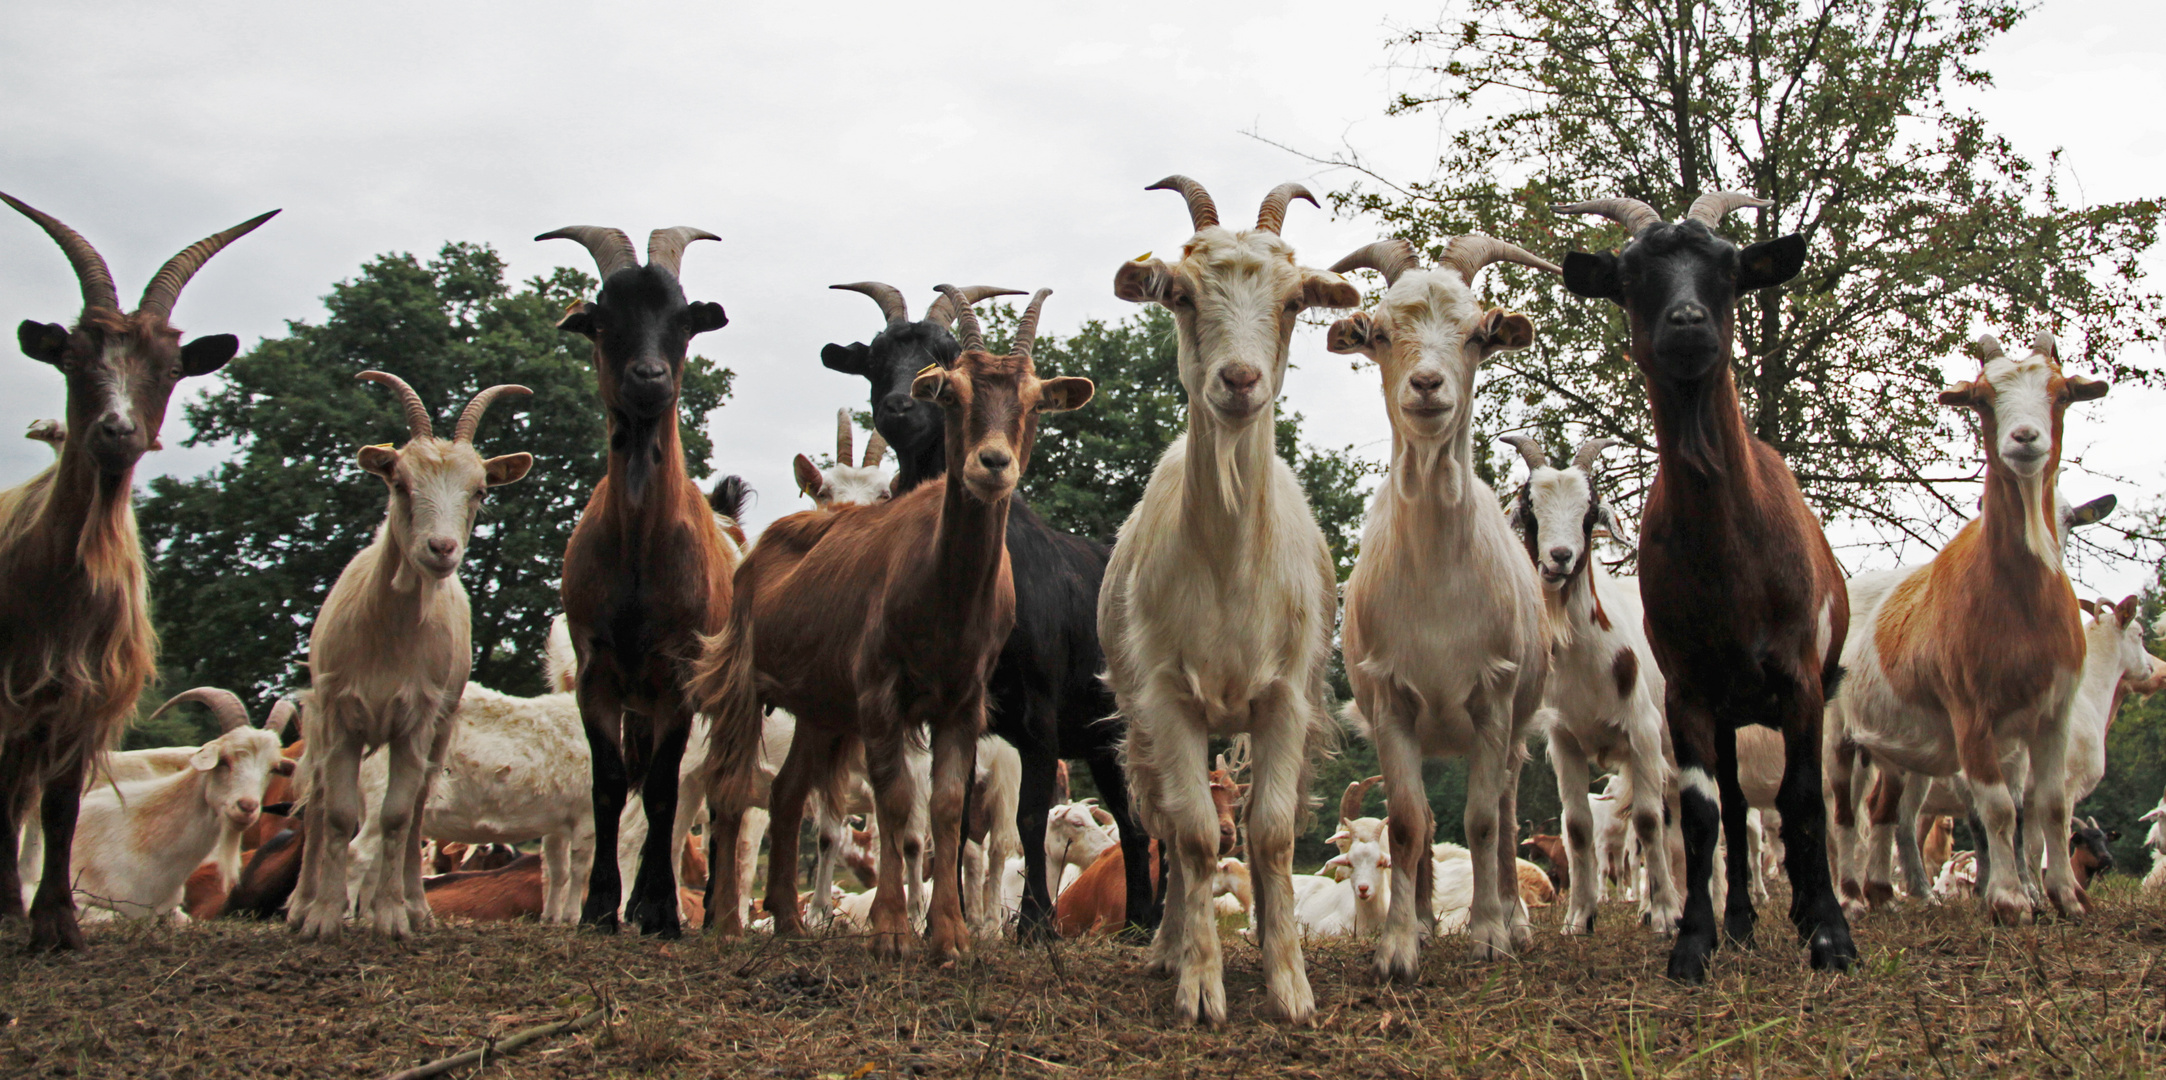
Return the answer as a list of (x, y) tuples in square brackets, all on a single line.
[(911, 144)]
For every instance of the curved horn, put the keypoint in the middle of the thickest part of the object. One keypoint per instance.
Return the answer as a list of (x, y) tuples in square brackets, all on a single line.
[(1590, 450), (971, 337), (1202, 212), (942, 310), (1710, 208), (1989, 349), (90, 271), (470, 417), (1026, 331), (417, 414), (1633, 214), (890, 298), (1529, 449), (844, 451), (665, 247), (1470, 253), (165, 286), (282, 713), (1392, 257), (612, 250), (1272, 216), (223, 704), (1356, 792), (875, 449)]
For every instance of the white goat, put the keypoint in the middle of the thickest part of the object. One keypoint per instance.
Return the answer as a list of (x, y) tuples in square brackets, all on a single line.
[(388, 661), (1444, 636), (845, 484), (1075, 835), (995, 790), (1358, 905), (1604, 700), (1217, 606), (2155, 840)]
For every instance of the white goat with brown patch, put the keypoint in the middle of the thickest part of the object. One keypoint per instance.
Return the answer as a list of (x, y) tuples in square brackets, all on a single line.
[(1604, 699), (388, 661), (1217, 607), (1444, 635), (844, 484)]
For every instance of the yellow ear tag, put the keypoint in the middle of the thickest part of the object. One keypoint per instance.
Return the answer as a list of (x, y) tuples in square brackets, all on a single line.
[(1145, 257), (923, 370), (381, 446)]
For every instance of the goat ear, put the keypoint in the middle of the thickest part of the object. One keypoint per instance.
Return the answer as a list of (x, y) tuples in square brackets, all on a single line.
[(851, 359), (498, 471), (701, 316), (2091, 513), (1961, 394), (379, 460), (2082, 389), (1143, 280), (207, 354), (205, 758), (930, 385), (2125, 610), (1606, 516), (1351, 334), (809, 480), (1324, 289), (578, 319), (43, 341), (1384, 861), (282, 767), (1341, 859), (1065, 393), (1505, 331), (1770, 263), (1592, 275)]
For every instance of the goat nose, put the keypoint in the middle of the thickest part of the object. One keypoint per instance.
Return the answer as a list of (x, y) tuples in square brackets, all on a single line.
[(1687, 315), (995, 460), (1560, 555), (248, 806), (650, 369), (2025, 434), (116, 427), (443, 547), (1425, 382), (1240, 377)]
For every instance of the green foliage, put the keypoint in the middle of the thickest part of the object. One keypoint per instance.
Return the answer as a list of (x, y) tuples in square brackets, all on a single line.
[(243, 556), (1922, 224)]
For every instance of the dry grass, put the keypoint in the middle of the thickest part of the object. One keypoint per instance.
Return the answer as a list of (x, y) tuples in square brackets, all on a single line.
[(1938, 994)]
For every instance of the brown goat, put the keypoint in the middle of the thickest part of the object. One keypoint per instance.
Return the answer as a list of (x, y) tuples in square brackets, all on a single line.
[(76, 644), (647, 570), (874, 623)]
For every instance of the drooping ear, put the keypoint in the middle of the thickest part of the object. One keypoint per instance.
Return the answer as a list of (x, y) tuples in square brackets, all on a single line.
[(1505, 331), (43, 341), (1324, 289), (2082, 389), (578, 319), (1962, 394), (931, 385), (205, 758), (1341, 859), (380, 459), (207, 354), (1384, 861), (282, 767), (2125, 611), (1606, 516), (2091, 513), (1592, 275), (851, 359), (1770, 263), (1143, 280), (809, 480), (1342, 834), (1352, 334), (1060, 395), (506, 469), (701, 316)]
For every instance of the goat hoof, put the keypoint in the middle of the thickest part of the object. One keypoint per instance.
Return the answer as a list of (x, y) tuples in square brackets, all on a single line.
[(1194, 1004), (56, 931), (1689, 969), (1832, 950), (1295, 1005)]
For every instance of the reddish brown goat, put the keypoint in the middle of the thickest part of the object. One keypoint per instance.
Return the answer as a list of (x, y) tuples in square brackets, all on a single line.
[(1097, 901), (647, 570), (280, 790), (76, 645), (1549, 851), (873, 623), (1746, 607)]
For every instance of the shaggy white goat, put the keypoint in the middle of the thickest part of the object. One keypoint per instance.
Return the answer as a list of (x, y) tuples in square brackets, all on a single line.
[(2155, 840), (844, 484)]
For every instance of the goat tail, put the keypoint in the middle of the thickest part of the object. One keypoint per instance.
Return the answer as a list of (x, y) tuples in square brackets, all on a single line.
[(725, 686)]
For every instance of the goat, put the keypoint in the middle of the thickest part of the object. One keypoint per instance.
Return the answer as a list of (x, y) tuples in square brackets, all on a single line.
[(1549, 851), (2155, 841), (2088, 852), (1076, 836), (647, 570), (1997, 600), (76, 643), (857, 485), (992, 837), (1216, 611), (1444, 630), (1359, 903), (1045, 696), (388, 659), (1746, 613), (1605, 692), (1097, 901), (874, 623)]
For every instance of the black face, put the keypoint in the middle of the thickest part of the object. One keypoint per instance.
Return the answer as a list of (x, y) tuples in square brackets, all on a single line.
[(2086, 838), (641, 326), (1680, 283), (913, 428), (121, 371)]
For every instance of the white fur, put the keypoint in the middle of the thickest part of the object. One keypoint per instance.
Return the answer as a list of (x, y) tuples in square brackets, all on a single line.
[(2155, 840), (1073, 840), (1000, 768), (137, 842)]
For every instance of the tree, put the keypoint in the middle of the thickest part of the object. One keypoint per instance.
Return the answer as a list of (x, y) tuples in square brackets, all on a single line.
[(1922, 224), (243, 556)]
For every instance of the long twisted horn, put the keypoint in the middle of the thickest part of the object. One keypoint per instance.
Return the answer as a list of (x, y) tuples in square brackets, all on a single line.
[(90, 271), (470, 417), (282, 713), (844, 450), (1633, 214), (1026, 331), (165, 286), (1470, 253), (1272, 216), (1392, 257), (612, 250), (224, 705), (665, 247), (1529, 449), (1709, 209), (943, 309), (890, 298), (1356, 793), (971, 337), (417, 414), (875, 449), (1202, 212), (1591, 450)]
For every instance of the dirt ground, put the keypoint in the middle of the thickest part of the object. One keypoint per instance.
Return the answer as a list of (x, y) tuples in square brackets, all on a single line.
[(1938, 994)]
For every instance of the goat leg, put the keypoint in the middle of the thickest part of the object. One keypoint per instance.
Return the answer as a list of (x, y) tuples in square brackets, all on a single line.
[(14, 808), (1814, 909), (1738, 917), (1033, 805), (52, 912), (653, 903)]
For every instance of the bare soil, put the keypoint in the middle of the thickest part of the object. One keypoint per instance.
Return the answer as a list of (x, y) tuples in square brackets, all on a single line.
[(1937, 994)]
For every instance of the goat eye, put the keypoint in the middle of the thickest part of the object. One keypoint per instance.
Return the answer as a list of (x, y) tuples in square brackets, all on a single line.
[(1293, 307)]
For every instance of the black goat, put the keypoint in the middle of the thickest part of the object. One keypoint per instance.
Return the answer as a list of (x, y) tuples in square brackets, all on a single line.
[(1046, 697)]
